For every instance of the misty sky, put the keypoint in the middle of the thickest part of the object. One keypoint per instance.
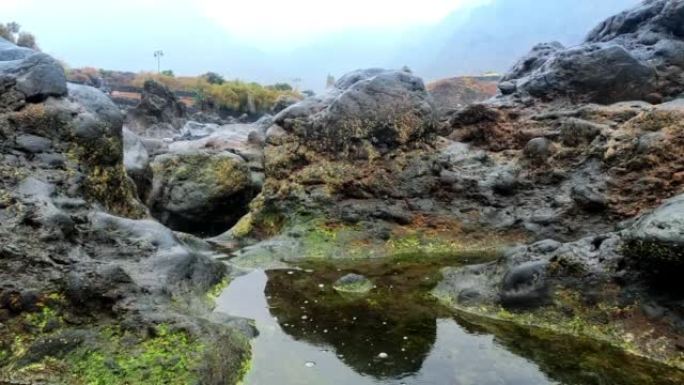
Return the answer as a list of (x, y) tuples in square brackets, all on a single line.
[(275, 40)]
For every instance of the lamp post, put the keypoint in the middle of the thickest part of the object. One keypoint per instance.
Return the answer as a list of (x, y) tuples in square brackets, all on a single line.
[(158, 55)]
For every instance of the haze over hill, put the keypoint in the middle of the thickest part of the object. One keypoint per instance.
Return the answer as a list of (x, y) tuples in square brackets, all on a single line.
[(477, 36)]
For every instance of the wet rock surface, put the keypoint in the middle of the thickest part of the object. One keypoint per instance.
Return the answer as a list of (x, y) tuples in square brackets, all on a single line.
[(82, 264)]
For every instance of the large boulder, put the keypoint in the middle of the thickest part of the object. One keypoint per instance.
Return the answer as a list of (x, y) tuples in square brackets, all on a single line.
[(636, 54), (198, 192), (589, 73), (159, 113), (27, 75), (367, 111)]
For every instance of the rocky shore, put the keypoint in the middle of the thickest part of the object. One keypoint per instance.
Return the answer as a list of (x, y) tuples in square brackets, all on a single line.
[(572, 179)]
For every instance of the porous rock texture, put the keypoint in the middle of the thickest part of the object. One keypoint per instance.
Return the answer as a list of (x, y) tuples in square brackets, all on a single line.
[(635, 55), (80, 260)]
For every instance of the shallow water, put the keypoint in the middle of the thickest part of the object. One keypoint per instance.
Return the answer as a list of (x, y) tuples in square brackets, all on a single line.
[(310, 334)]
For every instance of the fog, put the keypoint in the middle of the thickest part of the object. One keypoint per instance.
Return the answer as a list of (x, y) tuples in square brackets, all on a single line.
[(302, 41)]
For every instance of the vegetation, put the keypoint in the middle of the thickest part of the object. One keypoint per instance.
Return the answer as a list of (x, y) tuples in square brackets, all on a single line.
[(12, 32), (212, 92)]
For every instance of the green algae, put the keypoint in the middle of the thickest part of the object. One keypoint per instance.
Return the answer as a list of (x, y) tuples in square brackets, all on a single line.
[(166, 358)]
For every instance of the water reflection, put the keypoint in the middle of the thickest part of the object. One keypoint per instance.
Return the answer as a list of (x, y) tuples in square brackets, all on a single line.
[(309, 334)]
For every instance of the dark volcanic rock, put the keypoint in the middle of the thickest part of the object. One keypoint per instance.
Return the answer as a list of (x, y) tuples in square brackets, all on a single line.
[(28, 75), (159, 113), (655, 243), (590, 73), (634, 55), (72, 241), (367, 111)]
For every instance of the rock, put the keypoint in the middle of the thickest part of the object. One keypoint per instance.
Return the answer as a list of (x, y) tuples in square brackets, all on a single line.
[(283, 102), (33, 144), (654, 244), (508, 87), (200, 193), (525, 285), (589, 198), (353, 283), (137, 163), (587, 73), (98, 115), (539, 55), (575, 131), (193, 129), (53, 346), (28, 76), (504, 182), (539, 149), (159, 112), (367, 110), (634, 55), (66, 251), (452, 93)]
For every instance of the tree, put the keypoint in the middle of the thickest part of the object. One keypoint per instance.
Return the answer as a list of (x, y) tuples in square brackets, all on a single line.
[(214, 78), (13, 27), (12, 32), (168, 73), (27, 40), (5, 33)]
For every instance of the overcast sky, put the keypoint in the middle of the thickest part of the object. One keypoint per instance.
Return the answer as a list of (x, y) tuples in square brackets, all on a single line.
[(282, 40)]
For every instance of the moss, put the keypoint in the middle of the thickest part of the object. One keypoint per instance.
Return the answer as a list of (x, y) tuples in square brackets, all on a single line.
[(167, 358), (106, 181), (571, 315), (227, 174), (216, 290), (244, 227), (37, 119), (43, 318)]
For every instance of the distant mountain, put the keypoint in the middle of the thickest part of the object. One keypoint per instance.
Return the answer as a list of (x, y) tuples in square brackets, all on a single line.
[(494, 36), (490, 37)]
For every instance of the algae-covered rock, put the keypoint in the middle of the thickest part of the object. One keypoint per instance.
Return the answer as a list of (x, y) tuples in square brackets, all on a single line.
[(655, 243), (353, 283), (200, 192)]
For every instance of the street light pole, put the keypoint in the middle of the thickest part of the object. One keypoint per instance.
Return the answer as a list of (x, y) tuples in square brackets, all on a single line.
[(158, 55)]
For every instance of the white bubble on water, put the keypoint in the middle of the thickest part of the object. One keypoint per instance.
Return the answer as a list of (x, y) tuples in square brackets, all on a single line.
[(383, 355), (310, 364)]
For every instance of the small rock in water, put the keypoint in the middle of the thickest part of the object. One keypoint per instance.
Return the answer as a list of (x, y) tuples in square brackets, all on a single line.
[(353, 283), (383, 355), (310, 364)]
